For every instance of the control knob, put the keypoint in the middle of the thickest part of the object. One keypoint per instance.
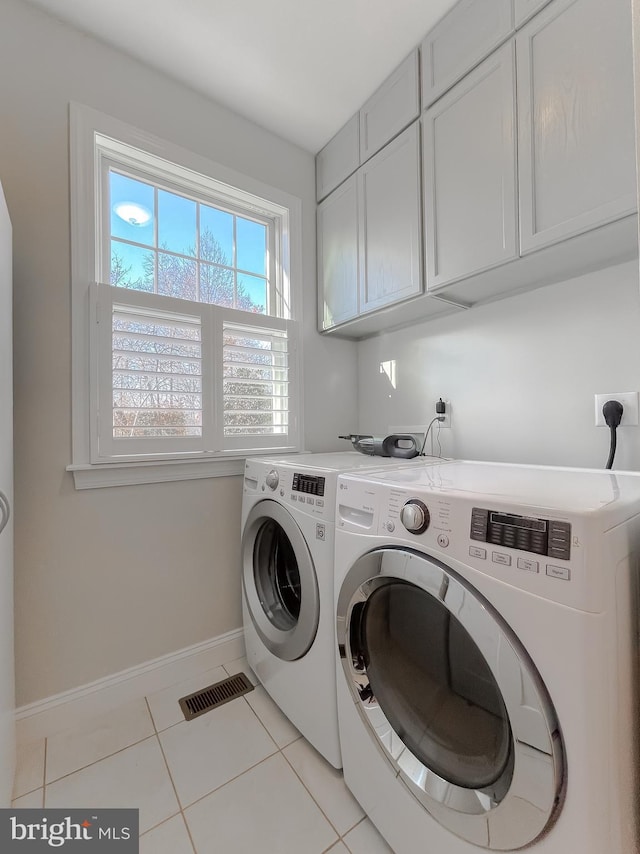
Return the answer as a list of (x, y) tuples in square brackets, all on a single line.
[(415, 516), (272, 479)]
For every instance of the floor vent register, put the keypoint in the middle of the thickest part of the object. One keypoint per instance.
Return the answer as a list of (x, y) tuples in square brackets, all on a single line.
[(209, 698)]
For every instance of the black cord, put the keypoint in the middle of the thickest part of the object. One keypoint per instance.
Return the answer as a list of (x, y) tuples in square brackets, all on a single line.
[(612, 447), (437, 418), (612, 411)]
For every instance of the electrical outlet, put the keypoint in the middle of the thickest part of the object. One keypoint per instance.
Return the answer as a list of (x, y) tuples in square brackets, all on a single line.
[(628, 399), (447, 414)]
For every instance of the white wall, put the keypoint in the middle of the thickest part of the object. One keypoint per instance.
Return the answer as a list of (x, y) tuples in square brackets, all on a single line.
[(109, 578), (521, 373)]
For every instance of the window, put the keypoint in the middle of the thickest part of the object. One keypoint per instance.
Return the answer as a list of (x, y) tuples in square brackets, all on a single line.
[(185, 342)]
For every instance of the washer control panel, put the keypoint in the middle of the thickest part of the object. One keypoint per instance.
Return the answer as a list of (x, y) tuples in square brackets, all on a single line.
[(548, 537), (310, 484), (306, 492)]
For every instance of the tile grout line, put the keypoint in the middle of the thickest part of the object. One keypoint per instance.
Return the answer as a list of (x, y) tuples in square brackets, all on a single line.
[(178, 801), (226, 783), (310, 793), (102, 758), (357, 824), (281, 751), (264, 727)]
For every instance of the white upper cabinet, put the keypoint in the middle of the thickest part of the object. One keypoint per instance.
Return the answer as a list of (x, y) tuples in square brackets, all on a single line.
[(338, 159), (462, 39), (338, 255), (390, 223), (525, 9), (576, 120), (391, 108), (470, 173)]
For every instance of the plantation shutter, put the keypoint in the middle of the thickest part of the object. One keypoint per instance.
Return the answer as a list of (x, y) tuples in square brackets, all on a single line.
[(258, 369), (178, 378), (153, 374)]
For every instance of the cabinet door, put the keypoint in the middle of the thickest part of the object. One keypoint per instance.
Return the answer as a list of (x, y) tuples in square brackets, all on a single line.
[(526, 9), (470, 173), (337, 221), (389, 110), (338, 159), (390, 223), (575, 120), (464, 37)]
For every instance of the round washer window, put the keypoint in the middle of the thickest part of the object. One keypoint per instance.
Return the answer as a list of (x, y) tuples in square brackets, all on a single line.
[(279, 581), (434, 686), (276, 575), (451, 698)]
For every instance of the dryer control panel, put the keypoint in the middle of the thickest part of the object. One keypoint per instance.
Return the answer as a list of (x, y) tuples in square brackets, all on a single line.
[(548, 537)]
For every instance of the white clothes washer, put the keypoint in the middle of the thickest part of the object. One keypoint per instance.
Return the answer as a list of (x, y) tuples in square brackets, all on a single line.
[(487, 656), (288, 527)]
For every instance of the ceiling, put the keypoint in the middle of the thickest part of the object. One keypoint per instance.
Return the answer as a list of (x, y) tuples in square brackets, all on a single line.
[(300, 68)]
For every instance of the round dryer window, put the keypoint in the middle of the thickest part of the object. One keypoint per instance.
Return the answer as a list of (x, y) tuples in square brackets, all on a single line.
[(279, 581), (451, 698)]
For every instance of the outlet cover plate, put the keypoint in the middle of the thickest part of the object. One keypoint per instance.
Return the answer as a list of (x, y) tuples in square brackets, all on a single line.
[(629, 400), (447, 414)]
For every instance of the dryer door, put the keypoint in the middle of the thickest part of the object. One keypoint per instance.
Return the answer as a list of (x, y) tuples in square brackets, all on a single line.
[(451, 698), (279, 581)]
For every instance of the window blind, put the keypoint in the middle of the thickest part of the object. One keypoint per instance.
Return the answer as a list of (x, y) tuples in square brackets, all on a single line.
[(256, 380)]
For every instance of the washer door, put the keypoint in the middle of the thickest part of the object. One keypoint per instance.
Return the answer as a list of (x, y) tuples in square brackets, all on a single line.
[(279, 580), (451, 698)]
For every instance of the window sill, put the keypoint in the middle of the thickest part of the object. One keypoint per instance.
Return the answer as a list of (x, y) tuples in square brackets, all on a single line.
[(129, 474)]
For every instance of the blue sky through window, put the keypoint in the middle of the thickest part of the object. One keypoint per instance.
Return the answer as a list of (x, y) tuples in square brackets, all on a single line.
[(162, 220), (176, 223), (252, 245), (125, 190), (220, 225)]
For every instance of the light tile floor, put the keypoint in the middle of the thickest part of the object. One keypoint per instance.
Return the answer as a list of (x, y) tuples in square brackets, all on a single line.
[(237, 780)]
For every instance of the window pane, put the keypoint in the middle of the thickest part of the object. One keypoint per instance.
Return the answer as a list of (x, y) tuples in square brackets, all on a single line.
[(131, 267), (131, 204), (176, 276), (252, 246), (252, 293), (216, 285), (216, 236), (176, 223)]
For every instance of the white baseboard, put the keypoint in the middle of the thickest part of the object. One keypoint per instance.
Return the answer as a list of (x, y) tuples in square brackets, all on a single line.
[(70, 708)]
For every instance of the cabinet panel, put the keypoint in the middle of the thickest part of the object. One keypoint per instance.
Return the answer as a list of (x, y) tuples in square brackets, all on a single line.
[(464, 37), (338, 159), (390, 223), (391, 108), (337, 221), (576, 119), (470, 173), (526, 9)]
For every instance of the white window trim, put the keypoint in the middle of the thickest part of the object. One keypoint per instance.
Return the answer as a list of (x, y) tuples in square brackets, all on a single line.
[(85, 124)]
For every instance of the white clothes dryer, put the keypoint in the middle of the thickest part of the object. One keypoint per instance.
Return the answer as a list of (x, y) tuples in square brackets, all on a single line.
[(487, 649), (288, 526)]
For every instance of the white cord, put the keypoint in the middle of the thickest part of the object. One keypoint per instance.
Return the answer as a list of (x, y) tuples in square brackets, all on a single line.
[(437, 418)]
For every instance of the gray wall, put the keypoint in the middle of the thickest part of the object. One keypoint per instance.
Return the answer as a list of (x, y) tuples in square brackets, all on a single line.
[(109, 578), (521, 373)]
